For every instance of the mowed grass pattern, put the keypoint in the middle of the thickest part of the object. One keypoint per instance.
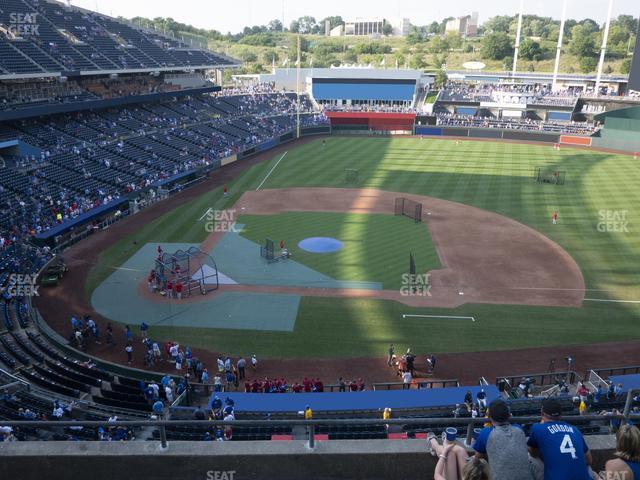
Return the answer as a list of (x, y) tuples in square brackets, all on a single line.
[(490, 175), (375, 247)]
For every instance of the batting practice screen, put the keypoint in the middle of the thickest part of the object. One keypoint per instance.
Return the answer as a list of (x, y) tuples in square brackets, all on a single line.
[(409, 208)]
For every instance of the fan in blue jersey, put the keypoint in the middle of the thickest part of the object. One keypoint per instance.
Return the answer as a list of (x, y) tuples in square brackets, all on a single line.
[(560, 445)]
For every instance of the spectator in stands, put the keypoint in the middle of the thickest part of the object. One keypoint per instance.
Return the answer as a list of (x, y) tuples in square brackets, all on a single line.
[(559, 445), (468, 400), (451, 456), (158, 409), (406, 379), (476, 469), (342, 385), (481, 397), (627, 463), (504, 445)]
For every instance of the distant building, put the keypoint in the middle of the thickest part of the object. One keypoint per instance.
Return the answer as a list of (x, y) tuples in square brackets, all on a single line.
[(466, 26), (362, 26), (402, 28), (337, 31)]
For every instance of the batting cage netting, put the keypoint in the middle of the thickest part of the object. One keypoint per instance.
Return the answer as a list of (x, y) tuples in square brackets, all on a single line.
[(409, 208)]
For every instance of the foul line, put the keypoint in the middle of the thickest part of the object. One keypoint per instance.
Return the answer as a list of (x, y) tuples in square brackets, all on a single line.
[(405, 315), (612, 301), (205, 214), (270, 171)]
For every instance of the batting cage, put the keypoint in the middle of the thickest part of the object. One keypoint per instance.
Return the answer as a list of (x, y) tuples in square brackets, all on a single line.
[(549, 175), (409, 208), (267, 251), (194, 269)]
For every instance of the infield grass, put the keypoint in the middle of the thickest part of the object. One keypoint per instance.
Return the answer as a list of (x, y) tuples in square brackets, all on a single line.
[(375, 248)]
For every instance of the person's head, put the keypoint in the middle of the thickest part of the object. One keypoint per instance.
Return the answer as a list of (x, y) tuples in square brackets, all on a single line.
[(628, 443), (551, 410), (476, 469), (499, 411)]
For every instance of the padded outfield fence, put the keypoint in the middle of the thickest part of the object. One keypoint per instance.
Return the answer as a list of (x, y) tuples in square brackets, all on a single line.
[(408, 208)]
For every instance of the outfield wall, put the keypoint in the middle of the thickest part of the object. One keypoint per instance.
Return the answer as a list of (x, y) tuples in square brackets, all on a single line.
[(490, 133)]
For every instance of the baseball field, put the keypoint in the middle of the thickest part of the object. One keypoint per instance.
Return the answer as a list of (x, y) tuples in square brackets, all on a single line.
[(503, 276)]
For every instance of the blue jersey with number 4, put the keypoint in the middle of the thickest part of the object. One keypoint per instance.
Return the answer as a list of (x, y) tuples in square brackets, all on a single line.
[(562, 448)]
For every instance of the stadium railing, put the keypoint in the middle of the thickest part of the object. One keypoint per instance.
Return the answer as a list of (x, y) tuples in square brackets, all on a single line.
[(417, 384), (542, 379), (310, 425), (627, 370)]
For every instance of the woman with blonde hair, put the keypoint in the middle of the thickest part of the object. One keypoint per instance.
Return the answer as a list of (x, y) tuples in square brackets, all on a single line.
[(628, 453), (476, 469)]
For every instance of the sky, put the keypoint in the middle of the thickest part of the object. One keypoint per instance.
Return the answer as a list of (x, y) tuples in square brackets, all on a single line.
[(232, 16)]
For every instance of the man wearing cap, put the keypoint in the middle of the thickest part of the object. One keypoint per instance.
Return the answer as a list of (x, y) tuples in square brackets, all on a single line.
[(504, 445), (560, 445)]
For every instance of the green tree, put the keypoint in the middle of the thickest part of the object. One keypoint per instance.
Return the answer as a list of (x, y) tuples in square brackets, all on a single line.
[(414, 36), (530, 49), (417, 62), (350, 56), (433, 28), (588, 64), (498, 24), (275, 25), (387, 29), (438, 45), (496, 46), (441, 79), (626, 23), (334, 21), (453, 41), (582, 42), (248, 56), (626, 66)]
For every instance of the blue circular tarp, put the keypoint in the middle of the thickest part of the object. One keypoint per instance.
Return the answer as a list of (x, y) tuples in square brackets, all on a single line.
[(320, 244)]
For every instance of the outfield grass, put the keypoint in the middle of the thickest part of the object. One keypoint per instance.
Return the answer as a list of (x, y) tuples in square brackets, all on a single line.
[(489, 175), (375, 247)]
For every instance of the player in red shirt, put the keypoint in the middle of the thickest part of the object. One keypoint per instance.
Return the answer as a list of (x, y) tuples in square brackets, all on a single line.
[(179, 290), (169, 289), (226, 191), (554, 217), (307, 385)]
